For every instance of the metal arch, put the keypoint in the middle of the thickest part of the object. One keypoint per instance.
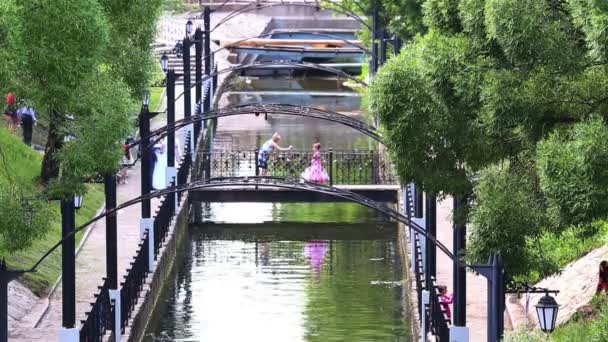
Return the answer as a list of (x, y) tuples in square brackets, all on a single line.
[(248, 109), (259, 182), (258, 6)]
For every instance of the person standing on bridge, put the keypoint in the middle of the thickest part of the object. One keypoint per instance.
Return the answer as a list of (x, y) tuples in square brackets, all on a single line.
[(269, 146), (315, 172)]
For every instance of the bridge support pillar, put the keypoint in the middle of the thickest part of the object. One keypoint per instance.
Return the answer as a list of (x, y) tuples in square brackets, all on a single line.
[(144, 225), (459, 334), (115, 297), (424, 323), (69, 335), (170, 180)]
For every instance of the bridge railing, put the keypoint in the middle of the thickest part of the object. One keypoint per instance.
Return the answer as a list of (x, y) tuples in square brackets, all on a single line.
[(343, 167), (134, 282)]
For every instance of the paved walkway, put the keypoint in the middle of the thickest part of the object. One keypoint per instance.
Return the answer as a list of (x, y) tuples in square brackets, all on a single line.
[(476, 285)]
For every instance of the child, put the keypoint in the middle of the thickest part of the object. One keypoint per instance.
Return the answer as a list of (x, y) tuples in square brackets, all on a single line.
[(315, 172), (123, 174), (446, 300)]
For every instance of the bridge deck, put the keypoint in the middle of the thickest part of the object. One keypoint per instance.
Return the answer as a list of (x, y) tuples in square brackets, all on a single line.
[(381, 193)]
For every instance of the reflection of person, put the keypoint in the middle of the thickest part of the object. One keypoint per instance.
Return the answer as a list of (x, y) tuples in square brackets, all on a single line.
[(602, 284), (265, 253), (269, 146), (315, 251), (315, 172)]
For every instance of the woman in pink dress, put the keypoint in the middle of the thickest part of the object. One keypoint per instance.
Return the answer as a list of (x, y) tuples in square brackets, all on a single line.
[(315, 172)]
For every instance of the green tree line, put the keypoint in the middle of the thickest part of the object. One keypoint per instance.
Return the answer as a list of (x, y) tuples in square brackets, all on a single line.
[(83, 64)]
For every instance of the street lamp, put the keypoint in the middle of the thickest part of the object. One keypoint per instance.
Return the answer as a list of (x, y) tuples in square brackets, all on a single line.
[(164, 62), (78, 199), (146, 98), (179, 49), (546, 309), (188, 27)]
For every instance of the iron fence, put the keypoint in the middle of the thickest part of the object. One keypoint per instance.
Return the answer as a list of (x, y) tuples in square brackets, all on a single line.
[(184, 168), (343, 167), (100, 318), (436, 312), (134, 282)]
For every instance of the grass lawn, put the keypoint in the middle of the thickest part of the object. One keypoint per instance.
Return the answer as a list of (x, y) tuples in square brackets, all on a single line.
[(156, 94), (25, 165)]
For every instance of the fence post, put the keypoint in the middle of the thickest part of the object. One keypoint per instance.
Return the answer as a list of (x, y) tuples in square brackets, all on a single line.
[(257, 166), (423, 317), (115, 296), (331, 166), (151, 257), (207, 164)]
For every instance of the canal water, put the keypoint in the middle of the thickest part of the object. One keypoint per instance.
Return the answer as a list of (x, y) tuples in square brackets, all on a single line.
[(287, 271)]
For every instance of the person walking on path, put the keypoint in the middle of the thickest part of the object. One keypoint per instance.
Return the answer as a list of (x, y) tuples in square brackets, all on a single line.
[(11, 112), (269, 146), (602, 284), (446, 300), (315, 172), (27, 115)]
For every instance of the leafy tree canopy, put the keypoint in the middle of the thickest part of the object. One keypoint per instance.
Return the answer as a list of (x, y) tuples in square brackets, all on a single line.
[(497, 85)]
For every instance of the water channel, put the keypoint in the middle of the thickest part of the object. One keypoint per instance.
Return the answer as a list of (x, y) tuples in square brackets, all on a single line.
[(287, 271)]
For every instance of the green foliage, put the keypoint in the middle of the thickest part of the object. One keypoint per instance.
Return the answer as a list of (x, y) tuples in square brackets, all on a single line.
[(402, 17), (8, 43), (553, 250), (133, 28), (507, 214), (591, 16), (424, 106), (103, 122), (442, 15), (24, 214), (573, 174), (525, 336), (514, 92), (63, 42), (585, 330), (49, 270)]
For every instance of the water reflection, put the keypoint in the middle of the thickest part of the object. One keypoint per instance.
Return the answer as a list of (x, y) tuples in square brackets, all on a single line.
[(284, 289), (315, 251)]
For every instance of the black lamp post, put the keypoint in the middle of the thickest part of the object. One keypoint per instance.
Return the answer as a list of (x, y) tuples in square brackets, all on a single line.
[(188, 27)]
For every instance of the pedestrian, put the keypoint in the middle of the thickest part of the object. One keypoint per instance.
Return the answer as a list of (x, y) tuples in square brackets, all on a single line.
[(11, 112), (315, 172), (269, 146), (602, 284), (123, 174), (446, 300), (27, 114)]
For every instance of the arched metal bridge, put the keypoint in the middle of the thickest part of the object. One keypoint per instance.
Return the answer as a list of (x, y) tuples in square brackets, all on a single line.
[(260, 182), (276, 108)]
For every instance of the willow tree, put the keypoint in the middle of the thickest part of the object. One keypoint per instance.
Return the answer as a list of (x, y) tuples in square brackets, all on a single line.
[(489, 93)]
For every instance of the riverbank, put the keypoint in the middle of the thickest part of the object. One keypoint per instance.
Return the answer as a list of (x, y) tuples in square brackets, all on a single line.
[(24, 164)]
